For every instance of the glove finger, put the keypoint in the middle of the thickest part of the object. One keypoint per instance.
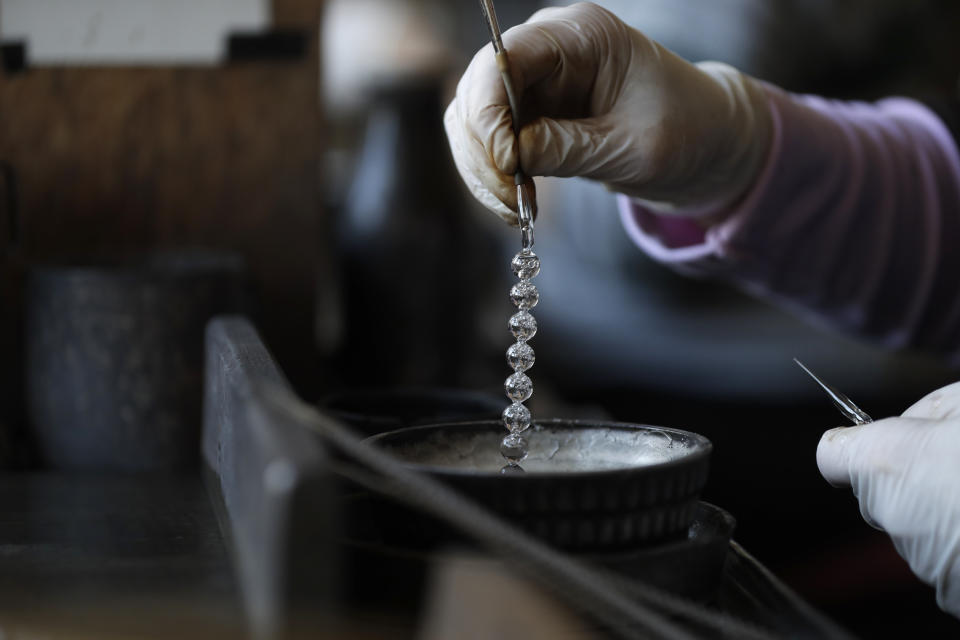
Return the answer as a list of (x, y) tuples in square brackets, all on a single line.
[(840, 459), (833, 454), (501, 186), (889, 446), (547, 13), (874, 459), (557, 56), (942, 403), (480, 116), (487, 167), (582, 147), (472, 173), (553, 64)]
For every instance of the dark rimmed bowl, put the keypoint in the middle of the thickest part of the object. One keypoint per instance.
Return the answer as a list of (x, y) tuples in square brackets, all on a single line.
[(588, 485)]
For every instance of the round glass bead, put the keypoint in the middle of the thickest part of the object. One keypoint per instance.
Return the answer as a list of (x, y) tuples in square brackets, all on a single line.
[(523, 325), (520, 356), (525, 264), (518, 387), (524, 295), (514, 448), (516, 417)]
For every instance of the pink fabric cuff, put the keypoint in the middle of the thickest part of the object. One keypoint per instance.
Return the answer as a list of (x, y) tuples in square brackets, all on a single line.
[(853, 221), (681, 236)]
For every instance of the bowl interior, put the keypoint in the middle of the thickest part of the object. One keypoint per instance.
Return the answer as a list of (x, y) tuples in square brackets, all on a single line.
[(555, 446)]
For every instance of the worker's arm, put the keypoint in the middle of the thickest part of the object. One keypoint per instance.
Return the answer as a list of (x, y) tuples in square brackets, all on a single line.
[(845, 212), (854, 221)]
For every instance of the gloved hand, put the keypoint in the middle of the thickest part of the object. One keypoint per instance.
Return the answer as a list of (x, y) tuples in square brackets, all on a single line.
[(601, 100), (906, 474)]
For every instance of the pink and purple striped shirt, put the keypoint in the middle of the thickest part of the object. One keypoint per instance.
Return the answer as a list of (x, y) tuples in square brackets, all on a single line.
[(853, 222)]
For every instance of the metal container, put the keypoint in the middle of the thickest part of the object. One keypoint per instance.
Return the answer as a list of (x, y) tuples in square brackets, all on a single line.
[(114, 357), (588, 485)]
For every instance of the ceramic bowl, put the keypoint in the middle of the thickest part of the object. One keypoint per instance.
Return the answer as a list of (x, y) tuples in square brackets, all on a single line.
[(586, 484)]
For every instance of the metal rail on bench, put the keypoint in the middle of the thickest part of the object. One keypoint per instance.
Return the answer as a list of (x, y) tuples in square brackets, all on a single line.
[(272, 478)]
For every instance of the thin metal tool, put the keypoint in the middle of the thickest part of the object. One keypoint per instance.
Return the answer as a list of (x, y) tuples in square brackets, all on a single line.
[(852, 412), (526, 201)]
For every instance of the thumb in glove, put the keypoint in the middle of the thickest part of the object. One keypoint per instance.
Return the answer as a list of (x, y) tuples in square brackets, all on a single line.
[(905, 472)]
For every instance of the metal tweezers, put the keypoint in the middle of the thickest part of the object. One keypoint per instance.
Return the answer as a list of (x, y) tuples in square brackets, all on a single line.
[(526, 201)]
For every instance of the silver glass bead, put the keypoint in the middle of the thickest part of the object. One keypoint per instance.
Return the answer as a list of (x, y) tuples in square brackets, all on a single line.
[(516, 417), (518, 387), (514, 447), (525, 264), (524, 295), (523, 325), (520, 356)]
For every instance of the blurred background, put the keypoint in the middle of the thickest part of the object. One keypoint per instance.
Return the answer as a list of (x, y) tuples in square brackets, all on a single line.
[(303, 139)]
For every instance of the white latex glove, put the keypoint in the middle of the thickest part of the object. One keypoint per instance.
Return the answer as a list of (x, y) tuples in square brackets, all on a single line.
[(601, 100), (906, 474)]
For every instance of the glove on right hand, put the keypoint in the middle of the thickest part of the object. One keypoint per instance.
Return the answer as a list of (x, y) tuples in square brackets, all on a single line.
[(906, 474), (602, 101)]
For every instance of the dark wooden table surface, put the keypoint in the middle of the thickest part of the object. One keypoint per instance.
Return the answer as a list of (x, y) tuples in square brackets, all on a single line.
[(143, 556), (123, 555)]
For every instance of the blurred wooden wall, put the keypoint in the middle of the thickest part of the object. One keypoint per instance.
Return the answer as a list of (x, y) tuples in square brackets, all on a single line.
[(122, 159)]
